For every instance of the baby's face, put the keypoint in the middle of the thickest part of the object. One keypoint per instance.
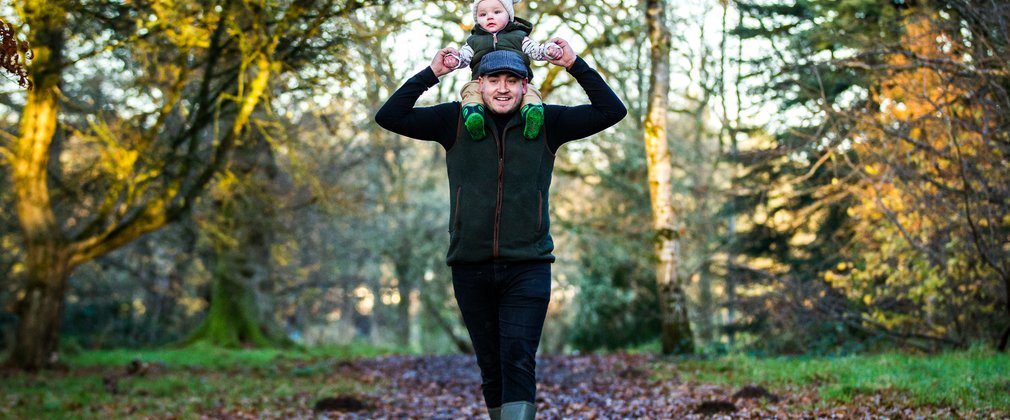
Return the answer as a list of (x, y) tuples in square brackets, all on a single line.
[(492, 16)]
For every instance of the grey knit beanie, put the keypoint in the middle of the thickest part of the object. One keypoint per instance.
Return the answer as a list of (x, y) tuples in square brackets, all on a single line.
[(509, 6)]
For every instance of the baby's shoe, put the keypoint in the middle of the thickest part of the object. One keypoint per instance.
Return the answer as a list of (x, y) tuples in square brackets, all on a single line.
[(473, 119), (533, 115)]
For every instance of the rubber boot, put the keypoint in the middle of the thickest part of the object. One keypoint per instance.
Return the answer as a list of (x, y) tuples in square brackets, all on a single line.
[(473, 120), (494, 413), (533, 115), (518, 410)]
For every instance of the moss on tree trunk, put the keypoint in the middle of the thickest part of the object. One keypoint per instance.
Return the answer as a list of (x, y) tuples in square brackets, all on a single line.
[(242, 233), (232, 320)]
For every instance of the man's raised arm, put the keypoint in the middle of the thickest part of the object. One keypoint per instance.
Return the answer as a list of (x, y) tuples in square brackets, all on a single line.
[(576, 122), (434, 123)]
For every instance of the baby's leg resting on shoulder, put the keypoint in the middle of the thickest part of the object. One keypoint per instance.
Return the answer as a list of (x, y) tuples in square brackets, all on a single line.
[(470, 94), (473, 109), (532, 111)]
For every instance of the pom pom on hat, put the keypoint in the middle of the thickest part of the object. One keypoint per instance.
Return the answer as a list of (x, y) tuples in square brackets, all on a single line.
[(509, 6)]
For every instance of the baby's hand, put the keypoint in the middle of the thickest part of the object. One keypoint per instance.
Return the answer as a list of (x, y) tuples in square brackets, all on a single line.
[(553, 51), (450, 61)]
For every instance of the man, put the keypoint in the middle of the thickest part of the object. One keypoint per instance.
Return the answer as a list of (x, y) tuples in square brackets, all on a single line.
[(499, 241)]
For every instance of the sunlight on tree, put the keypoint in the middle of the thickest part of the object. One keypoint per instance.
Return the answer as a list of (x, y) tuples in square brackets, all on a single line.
[(918, 156)]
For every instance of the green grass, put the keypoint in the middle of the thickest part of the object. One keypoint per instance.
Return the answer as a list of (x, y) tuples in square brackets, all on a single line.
[(184, 383), (211, 357), (970, 380), (205, 381)]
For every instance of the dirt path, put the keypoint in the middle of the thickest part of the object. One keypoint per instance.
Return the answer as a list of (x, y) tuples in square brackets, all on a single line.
[(592, 387)]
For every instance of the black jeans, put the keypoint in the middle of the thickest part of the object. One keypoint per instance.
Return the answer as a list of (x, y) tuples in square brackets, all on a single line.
[(504, 306)]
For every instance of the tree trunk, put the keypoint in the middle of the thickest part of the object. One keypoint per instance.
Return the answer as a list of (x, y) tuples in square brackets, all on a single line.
[(50, 253), (675, 327), (232, 319), (242, 231), (1003, 341), (407, 271), (403, 310), (40, 311), (706, 327), (731, 128), (47, 256)]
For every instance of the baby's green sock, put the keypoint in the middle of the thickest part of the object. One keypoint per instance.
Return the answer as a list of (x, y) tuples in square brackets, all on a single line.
[(533, 114), (473, 119)]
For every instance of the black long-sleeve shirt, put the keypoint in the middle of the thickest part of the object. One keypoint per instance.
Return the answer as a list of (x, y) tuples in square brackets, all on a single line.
[(562, 123)]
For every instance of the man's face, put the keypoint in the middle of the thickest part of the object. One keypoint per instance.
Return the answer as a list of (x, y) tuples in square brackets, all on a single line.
[(492, 16), (502, 92)]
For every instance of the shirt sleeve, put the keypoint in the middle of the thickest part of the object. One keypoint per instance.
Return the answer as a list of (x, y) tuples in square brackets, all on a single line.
[(434, 123), (535, 50), (567, 123), (465, 55)]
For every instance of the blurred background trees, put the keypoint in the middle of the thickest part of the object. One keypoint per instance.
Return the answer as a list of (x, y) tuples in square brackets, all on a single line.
[(839, 176), (876, 213)]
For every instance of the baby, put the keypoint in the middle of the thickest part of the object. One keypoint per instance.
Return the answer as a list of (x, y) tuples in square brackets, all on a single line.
[(498, 29)]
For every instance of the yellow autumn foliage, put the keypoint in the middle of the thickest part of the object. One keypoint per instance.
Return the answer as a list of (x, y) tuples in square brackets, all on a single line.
[(914, 263)]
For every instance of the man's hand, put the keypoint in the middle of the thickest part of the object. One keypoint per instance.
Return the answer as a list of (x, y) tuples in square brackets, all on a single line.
[(567, 54), (438, 64), (450, 61)]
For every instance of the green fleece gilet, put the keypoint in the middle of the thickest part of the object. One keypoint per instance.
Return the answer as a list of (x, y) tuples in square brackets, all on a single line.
[(510, 38), (498, 197)]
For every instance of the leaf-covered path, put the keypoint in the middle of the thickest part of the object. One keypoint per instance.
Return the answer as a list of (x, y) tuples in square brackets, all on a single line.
[(618, 386), (589, 387)]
